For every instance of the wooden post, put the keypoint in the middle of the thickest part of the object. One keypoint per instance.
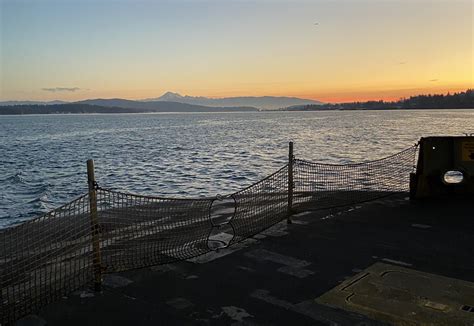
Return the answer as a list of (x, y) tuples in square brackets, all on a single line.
[(95, 229), (290, 181)]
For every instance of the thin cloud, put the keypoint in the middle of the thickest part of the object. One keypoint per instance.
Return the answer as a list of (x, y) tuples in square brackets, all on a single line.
[(61, 89)]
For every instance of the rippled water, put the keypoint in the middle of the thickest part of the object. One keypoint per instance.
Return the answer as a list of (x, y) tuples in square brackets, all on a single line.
[(43, 158)]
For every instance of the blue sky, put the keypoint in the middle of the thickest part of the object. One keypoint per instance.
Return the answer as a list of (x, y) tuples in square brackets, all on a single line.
[(139, 49)]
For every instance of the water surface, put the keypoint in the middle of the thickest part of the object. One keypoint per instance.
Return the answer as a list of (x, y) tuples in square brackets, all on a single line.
[(43, 157)]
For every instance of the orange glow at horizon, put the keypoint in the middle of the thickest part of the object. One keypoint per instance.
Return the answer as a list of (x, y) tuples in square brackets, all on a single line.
[(387, 96), (330, 96)]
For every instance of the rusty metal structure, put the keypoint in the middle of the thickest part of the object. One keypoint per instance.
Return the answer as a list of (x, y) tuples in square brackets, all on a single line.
[(445, 168)]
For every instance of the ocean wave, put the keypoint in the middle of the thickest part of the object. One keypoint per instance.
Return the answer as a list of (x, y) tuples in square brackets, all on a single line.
[(16, 178)]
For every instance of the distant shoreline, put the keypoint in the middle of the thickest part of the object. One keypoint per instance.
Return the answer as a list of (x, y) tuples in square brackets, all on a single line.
[(124, 113), (98, 109), (369, 109), (2, 113), (456, 101), (175, 103)]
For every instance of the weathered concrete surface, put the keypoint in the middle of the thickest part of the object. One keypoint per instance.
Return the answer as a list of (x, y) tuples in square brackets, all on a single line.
[(275, 279)]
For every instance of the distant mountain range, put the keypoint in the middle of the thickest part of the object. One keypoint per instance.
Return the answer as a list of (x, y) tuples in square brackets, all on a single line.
[(174, 102), (162, 106), (260, 102)]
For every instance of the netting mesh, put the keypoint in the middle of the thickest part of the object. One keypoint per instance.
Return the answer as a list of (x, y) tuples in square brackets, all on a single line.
[(321, 186), (261, 205), (51, 256), (138, 231), (44, 259)]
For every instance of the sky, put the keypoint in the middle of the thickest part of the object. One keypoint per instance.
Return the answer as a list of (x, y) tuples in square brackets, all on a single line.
[(332, 50)]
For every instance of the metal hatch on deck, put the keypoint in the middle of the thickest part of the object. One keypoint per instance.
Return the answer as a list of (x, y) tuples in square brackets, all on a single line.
[(403, 296)]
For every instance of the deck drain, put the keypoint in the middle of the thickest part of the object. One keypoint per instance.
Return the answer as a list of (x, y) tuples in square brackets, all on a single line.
[(467, 308)]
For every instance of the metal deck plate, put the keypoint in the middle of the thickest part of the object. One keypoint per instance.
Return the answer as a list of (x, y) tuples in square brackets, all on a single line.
[(403, 296)]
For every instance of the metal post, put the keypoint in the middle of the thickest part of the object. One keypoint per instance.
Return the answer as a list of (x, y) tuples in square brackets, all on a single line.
[(290, 181), (95, 229)]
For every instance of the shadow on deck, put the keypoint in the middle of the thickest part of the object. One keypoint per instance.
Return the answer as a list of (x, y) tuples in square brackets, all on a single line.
[(276, 277)]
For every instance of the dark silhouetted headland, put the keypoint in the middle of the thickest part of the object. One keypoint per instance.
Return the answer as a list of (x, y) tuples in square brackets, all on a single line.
[(462, 100), (115, 106)]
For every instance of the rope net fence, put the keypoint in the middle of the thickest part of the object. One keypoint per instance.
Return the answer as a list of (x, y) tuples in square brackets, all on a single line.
[(107, 231), (260, 206), (323, 186), (44, 259), (139, 231)]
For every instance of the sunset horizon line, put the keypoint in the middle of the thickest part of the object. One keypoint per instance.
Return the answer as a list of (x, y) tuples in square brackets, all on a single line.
[(389, 95)]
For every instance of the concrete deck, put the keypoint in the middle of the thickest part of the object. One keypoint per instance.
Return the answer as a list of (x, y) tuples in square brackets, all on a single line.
[(276, 277)]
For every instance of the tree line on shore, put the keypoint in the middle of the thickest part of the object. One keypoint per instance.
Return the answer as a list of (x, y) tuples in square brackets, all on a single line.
[(461, 100), (61, 108)]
